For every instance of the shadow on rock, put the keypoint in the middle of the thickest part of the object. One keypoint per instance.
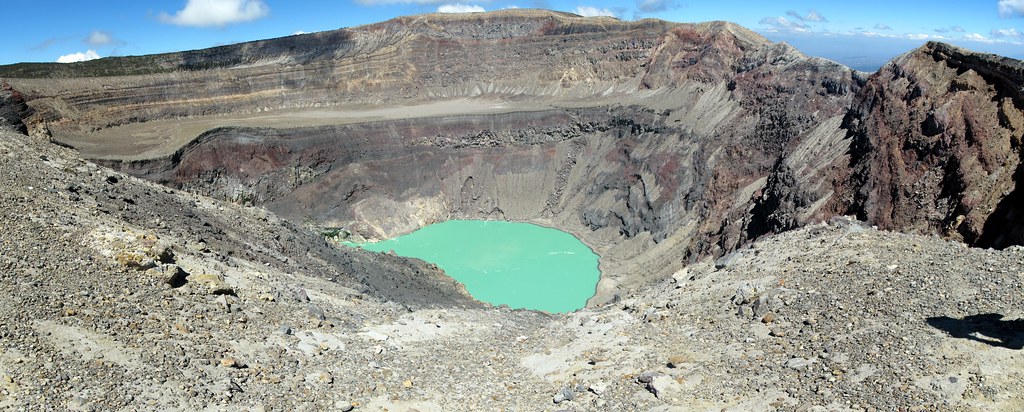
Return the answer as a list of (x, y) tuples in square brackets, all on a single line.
[(987, 328)]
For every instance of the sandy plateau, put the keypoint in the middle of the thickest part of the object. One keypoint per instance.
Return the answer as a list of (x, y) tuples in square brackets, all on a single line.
[(162, 137)]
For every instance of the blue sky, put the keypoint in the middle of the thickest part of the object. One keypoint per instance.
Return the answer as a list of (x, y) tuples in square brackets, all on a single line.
[(862, 34)]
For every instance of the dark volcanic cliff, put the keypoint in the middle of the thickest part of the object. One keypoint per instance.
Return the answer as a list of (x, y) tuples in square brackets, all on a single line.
[(657, 143), (12, 109)]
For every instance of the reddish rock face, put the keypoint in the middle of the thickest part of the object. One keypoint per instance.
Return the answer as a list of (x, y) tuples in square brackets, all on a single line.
[(935, 146)]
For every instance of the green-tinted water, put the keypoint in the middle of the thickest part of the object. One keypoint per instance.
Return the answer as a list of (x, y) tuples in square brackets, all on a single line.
[(517, 264)]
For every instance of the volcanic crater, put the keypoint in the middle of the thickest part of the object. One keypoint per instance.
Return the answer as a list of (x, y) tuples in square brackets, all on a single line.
[(669, 148)]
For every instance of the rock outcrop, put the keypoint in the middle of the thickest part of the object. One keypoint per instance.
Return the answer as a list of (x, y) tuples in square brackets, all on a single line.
[(13, 109), (936, 146)]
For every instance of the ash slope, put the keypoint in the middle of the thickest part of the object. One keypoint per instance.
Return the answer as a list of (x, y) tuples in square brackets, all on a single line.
[(829, 317)]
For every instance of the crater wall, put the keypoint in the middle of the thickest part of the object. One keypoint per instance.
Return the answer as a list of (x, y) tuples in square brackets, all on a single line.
[(657, 143)]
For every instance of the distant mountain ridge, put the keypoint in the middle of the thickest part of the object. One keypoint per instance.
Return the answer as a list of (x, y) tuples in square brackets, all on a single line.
[(404, 59), (310, 47)]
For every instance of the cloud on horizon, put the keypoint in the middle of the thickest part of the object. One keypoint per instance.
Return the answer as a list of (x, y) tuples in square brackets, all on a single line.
[(783, 24), (216, 13), (922, 36), (78, 57), (801, 26), (460, 8), (1011, 33)]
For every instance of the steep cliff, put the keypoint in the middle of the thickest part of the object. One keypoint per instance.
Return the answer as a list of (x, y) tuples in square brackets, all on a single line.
[(13, 109), (936, 146)]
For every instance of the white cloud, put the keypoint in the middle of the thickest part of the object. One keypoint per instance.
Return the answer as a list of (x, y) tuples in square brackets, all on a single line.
[(300, 32), (588, 11), (1011, 8), (811, 16), (957, 29), (460, 8), (783, 24), (78, 57), (1011, 32), (1001, 36), (99, 38), (207, 13), (881, 26)]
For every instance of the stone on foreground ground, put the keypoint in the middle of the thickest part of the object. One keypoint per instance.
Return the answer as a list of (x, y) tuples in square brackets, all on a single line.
[(834, 316)]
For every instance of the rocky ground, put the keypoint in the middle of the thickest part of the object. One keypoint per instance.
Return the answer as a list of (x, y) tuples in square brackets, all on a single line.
[(119, 294)]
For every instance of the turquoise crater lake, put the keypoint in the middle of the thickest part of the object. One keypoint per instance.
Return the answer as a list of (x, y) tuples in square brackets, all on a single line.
[(521, 265)]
